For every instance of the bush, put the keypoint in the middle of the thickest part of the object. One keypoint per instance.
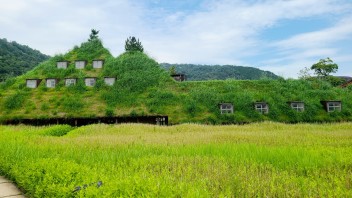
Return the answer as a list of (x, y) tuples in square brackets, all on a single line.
[(15, 101), (133, 113), (72, 103), (58, 130), (91, 50), (79, 87), (191, 107), (9, 82), (136, 72), (44, 106), (335, 81), (119, 97), (99, 84), (349, 87), (109, 112), (158, 100)]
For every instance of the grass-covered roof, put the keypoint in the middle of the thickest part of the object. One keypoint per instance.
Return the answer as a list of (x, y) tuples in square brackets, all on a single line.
[(143, 88)]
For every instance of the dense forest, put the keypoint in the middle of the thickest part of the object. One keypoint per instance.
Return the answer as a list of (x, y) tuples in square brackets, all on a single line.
[(219, 72), (16, 59)]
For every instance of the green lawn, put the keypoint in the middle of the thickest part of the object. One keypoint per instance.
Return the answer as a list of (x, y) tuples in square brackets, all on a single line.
[(260, 159)]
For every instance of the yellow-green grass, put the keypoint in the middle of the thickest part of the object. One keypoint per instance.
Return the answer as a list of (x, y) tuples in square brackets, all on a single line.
[(261, 159)]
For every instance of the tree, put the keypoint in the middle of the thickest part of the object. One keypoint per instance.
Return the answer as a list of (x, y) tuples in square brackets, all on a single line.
[(172, 70), (133, 44), (324, 67), (304, 73), (93, 35)]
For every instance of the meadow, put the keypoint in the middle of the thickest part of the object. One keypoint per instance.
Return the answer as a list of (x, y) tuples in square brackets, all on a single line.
[(133, 160)]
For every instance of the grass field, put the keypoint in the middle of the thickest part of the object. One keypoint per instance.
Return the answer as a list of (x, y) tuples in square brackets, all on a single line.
[(261, 160)]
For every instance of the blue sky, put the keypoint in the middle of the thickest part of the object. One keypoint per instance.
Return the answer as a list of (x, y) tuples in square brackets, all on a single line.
[(282, 36)]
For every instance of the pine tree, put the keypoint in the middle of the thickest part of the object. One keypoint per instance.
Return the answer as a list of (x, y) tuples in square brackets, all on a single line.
[(133, 44), (93, 35)]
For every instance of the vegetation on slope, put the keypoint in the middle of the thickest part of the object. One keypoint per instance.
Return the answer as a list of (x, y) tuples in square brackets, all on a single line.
[(87, 51), (144, 88), (16, 59), (256, 160), (61, 101), (137, 74), (135, 71), (219, 72)]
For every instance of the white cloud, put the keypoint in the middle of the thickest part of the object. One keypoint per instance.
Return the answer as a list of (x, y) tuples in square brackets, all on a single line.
[(56, 26), (304, 49), (341, 31), (228, 30), (218, 32)]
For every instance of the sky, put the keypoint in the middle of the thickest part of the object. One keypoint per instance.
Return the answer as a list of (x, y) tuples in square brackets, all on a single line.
[(281, 36)]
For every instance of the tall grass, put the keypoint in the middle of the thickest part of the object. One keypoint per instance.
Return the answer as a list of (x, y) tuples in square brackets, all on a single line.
[(266, 159), (15, 101)]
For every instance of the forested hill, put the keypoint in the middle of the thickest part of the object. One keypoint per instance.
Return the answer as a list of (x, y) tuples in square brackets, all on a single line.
[(218, 72), (16, 59)]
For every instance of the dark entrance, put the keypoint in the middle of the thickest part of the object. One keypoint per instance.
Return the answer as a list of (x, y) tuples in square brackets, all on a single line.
[(157, 120)]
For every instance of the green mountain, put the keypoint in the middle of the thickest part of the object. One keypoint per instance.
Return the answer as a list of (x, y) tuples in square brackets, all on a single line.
[(143, 88), (16, 59), (219, 72)]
